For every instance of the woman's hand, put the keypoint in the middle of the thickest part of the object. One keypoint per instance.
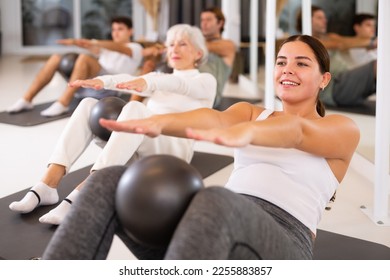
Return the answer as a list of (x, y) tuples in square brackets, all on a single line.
[(91, 83), (138, 85), (235, 136), (150, 126)]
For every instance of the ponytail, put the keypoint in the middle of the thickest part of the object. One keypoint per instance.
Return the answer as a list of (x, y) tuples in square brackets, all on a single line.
[(320, 107)]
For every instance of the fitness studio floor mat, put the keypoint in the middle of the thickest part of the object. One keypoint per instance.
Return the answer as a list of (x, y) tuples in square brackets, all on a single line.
[(33, 117), (208, 164), (23, 237), (367, 108), (333, 246), (226, 102)]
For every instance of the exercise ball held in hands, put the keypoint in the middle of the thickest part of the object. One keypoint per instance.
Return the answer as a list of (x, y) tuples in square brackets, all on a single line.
[(152, 196), (67, 64), (107, 108)]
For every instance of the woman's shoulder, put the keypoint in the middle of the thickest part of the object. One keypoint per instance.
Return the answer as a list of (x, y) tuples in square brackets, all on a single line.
[(252, 111), (337, 117), (339, 122), (206, 76)]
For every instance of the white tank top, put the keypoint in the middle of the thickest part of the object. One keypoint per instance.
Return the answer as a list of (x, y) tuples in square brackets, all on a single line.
[(298, 182)]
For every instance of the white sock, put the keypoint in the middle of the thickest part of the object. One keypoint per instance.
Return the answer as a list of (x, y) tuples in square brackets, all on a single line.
[(46, 194), (20, 105), (58, 214), (54, 110)]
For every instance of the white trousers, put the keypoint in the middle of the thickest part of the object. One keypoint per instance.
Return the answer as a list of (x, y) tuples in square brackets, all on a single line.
[(122, 147)]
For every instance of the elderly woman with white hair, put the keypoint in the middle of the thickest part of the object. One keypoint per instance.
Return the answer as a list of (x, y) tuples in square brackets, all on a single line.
[(185, 89)]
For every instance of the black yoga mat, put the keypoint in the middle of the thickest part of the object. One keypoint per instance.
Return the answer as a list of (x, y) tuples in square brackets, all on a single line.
[(22, 236), (33, 117), (368, 107), (333, 246)]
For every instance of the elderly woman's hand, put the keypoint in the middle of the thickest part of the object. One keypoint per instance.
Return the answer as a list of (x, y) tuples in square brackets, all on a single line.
[(136, 84), (91, 83)]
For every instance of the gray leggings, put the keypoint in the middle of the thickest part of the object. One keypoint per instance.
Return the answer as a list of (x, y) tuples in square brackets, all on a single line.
[(219, 224)]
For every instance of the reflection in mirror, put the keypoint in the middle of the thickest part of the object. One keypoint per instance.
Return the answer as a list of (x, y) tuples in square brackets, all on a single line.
[(340, 16), (44, 22)]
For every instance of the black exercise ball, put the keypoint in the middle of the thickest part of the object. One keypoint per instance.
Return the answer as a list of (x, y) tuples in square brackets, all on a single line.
[(108, 108), (67, 64), (152, 196)]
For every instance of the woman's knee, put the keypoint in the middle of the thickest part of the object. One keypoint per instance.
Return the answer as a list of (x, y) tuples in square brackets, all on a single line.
[(86, 104), (83, 110), (213, 194), (134, 110), (105, 180), (211, 201)]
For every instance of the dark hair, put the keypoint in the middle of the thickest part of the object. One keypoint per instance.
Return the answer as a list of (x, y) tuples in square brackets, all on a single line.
[(359, 18), (122, 19), (298, 24), (322, 57), (218, 14)]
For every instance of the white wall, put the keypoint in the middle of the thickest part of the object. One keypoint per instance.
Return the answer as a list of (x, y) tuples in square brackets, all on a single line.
[(10, 25)]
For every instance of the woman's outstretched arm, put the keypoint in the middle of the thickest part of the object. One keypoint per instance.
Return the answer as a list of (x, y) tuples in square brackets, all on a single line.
[(176, 124)]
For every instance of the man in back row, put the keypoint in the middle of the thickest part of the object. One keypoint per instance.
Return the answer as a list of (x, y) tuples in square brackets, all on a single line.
[(364, 26), (221, 51), (115, 56)]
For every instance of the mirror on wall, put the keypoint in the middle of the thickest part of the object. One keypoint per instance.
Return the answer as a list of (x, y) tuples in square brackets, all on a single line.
[(340, 16), (339, 13), (46, 21), (96, 16)]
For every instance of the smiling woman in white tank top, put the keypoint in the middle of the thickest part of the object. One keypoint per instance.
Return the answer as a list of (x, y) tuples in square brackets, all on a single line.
[(287, 166)]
